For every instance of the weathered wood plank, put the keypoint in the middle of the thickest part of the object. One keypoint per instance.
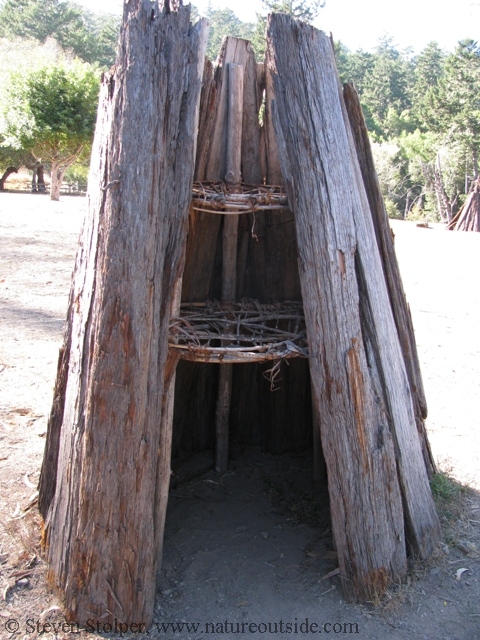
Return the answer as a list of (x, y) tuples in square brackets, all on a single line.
[(266, 270), (204, 249), (204, 229), (101, 538), (422, 525), (398, 301), (357, 370), (48, 475), (166, 433), (274, 169)]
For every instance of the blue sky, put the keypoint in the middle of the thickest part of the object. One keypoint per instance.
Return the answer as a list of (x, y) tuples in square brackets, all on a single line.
[(361, 23)]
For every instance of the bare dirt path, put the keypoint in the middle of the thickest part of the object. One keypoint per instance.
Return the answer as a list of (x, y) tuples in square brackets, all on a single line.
[(439, 271), (250, 548)]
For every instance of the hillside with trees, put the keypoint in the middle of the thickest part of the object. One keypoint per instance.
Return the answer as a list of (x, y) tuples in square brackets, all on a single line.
[(91, 37), (52, 53), (423, 115), (422, 111)]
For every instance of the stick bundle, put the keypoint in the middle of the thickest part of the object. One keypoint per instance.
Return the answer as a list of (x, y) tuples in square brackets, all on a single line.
[(222, 198), (254, 332)]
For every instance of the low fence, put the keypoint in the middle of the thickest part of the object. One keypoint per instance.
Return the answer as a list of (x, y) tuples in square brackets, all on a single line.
[(25, 186)]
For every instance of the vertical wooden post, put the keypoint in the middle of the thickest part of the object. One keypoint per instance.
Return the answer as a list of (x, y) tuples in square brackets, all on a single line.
[(229, 272)]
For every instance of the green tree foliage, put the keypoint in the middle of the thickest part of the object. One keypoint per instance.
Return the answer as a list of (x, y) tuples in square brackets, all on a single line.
[(99, 43), (354, 66), (423, 113), (21, 55), (456, 102), (259, 37), (390, 164), (306, 10), (91, 37), (39, 19), (429, 68), (386, 88), (11, 160), (224, 22), (51, 112)]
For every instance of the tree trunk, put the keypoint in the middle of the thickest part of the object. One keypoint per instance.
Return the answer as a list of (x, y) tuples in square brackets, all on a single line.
[(101, 529), (444, 204), (475, 162), (358, 376), (34, 179), (41, 179), (57, 174), (391, 269), (5, 176)]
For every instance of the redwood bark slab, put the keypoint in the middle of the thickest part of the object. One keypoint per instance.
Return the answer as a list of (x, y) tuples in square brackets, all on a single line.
[(359, 382), (101, 526), (398, 301)]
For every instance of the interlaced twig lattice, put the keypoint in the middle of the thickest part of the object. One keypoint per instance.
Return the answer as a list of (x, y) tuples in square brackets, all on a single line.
[(221, 198), (235, 332)]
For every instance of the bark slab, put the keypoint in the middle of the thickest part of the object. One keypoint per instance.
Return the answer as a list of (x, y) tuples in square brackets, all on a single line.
[(101, 524), (377, 477)]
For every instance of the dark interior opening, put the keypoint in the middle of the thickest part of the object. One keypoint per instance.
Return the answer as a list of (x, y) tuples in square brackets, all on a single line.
[(275, 484), (275, 415), (245, 535)]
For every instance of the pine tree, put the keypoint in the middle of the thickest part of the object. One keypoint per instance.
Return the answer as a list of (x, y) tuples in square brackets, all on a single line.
[(458, 99), (306, 10), (91, 37)]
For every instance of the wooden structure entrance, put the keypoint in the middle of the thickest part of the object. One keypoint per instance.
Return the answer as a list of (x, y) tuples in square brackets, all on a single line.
[(241, 294), (304, 268)]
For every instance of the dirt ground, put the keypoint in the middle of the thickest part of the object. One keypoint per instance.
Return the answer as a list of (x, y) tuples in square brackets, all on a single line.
[(248, 554)]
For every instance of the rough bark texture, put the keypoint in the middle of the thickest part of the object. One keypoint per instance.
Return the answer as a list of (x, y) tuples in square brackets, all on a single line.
[(421, 520), (391, 269), (266, 270), (198, 282), (48, 475), (102, 524), (359, 381), (57, 174)]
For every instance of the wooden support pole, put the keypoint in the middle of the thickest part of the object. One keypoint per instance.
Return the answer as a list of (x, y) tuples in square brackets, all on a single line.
[(229, 272)]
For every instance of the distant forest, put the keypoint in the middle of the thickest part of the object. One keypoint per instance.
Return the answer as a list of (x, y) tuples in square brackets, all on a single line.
[(422, 111)]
